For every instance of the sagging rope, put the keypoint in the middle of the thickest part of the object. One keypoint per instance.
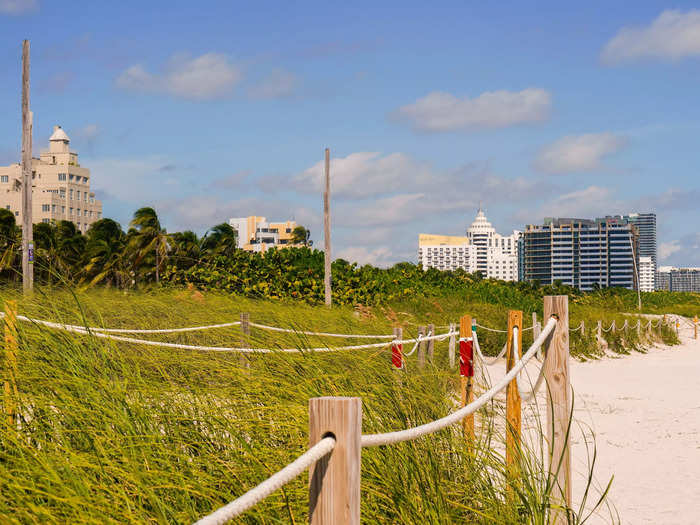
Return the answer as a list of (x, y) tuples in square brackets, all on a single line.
[(83, 331), (270, 485), (323, 334), (388, 438), (491, 361), (530, 394)]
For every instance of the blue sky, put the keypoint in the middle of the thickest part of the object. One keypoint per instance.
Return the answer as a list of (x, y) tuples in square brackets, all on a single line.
[(210, 110)]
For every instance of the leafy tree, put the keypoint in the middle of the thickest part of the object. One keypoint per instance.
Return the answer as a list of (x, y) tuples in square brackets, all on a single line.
[(106, 259), (70, 245), (10, 242), (186, 249)]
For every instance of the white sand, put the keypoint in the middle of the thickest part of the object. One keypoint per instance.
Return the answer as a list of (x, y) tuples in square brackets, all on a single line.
[(645, 412)]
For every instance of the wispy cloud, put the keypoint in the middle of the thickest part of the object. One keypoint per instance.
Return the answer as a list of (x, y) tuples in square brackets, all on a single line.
[(278, 84), (208, 76), (578, 153), (439, 111), (18, 7), (673, 35)]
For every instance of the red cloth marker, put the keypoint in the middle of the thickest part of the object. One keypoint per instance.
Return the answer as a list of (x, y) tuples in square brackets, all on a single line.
[(466, 357), (397, 355)]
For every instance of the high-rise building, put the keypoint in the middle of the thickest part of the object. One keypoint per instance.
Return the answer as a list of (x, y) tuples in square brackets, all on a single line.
[(446, 252), (496, 254), (482, 249), (60, 186), (256, 234), (678, 279), (645, 223), (647, 274), (581, 253)]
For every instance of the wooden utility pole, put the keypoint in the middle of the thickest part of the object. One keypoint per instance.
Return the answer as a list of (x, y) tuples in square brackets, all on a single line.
[(334, 481), (556, 373), (513, 405), (327, 229), (27, 236)]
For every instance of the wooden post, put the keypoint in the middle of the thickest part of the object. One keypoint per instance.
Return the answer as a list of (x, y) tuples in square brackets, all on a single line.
[(27, 234), (327, 230), (245, 338), (583, 328), (536, 331), (421, 347), (10, 386), (334, 480), (600, 331), (513, 408), (451, 346), (556, 372), (466, 371), (695, 326), (397, 349), (431, 343)]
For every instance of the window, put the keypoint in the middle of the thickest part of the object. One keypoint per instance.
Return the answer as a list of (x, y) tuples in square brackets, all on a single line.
[(16, 214), (71, 194), (71, 211), (45, 221), (4, 178), (61, 176), (85, 180), (63, 193), (85, 198), (70, 177), (63, 209), (78, 210), (77, 193), (7, 207), (53, 208), (45, 207)]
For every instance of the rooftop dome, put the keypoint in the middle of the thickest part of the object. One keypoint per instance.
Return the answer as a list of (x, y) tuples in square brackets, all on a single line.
[(59, 135), (481, 224)]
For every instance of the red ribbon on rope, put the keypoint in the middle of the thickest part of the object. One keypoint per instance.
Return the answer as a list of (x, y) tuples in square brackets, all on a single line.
[(397, 355), (466, 357)]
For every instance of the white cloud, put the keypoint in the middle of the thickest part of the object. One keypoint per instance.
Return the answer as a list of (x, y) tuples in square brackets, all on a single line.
[(278, 84), (18, 7), (593, 201), (439, 111), (205, 77), (673, 35), (366, 174), (666, 249), (130, 180), (381, 256), (89, 132), (575, 153)]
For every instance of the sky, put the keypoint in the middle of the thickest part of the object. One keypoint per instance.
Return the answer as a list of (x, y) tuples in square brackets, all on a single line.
[(211, 110)]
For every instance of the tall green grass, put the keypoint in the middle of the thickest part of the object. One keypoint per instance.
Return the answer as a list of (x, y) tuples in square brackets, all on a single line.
[(112, 432)]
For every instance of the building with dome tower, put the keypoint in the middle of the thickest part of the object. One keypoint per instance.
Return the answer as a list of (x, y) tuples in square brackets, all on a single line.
[(60, 186), (482, 249)]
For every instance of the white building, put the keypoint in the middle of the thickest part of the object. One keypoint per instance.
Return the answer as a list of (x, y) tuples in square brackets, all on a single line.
[(646, 274), (256, 234), (446, 252), (484, 250), (497, 255)]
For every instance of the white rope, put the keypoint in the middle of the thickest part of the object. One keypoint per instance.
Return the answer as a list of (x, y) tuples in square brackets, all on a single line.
[(492, 329), (577, 329), (491, 361), (529, 394), (270, 485), (611, 327), (324, 334), (83, 331), (420, 338), (373, 440)]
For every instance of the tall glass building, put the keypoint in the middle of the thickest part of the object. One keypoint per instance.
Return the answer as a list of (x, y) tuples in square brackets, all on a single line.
[(645, 224), (580, 252)]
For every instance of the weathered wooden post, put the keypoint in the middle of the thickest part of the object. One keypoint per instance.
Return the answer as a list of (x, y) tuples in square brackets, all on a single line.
[(466, 371), (10, 386), (513, 405), (431, 343), (421, 347), (695, 326), (583, 328), (334, 480), (556, 370), (451, 346)]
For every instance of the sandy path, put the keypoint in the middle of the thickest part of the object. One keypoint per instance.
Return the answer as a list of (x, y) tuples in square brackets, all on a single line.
[(645, 412)]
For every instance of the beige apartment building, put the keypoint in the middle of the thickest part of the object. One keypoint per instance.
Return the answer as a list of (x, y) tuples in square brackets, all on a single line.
[(60, 186), (255, 234)]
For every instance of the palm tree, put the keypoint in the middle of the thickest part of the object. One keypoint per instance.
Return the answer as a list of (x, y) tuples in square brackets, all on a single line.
[(149, 238), (70, 245), (10, 240), (105, 259), (222, 239), (46, 246), (300, 235), (186, 249)]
